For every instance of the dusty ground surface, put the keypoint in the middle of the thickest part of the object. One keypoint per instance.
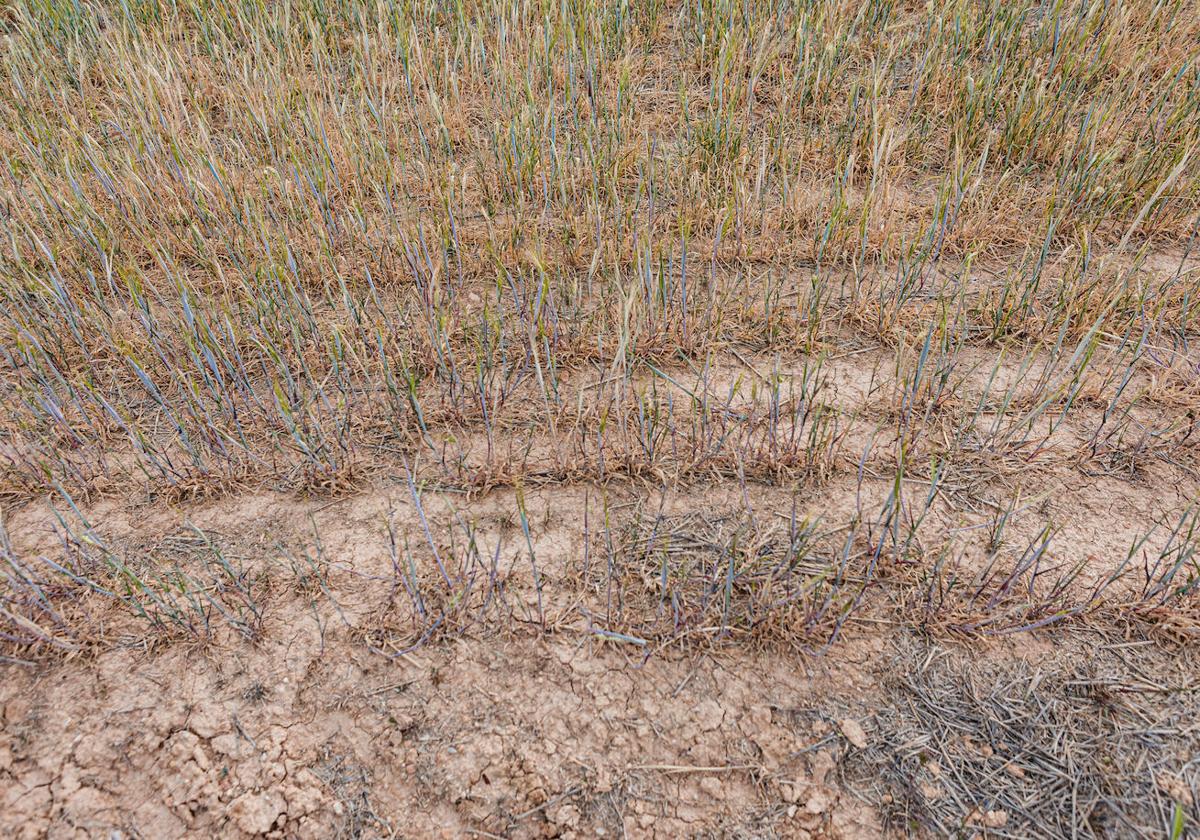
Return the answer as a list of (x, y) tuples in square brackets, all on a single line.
[(987, 632), (982, 655), (542, 738), (335, 718)]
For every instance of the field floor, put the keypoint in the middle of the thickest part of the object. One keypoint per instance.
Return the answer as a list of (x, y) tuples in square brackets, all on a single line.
[(717, 655), (561, 736)]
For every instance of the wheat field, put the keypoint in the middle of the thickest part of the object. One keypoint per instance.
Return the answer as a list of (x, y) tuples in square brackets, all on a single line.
[(501, 418)]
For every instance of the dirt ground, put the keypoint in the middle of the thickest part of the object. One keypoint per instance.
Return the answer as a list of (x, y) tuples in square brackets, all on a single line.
[(325, 725)]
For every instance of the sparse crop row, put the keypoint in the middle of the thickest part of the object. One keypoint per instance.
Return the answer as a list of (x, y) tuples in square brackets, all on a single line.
[(476, 245)]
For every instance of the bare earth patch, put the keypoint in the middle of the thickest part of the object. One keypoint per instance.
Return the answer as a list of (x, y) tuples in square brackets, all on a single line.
[(338, 716), (540, 738)]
